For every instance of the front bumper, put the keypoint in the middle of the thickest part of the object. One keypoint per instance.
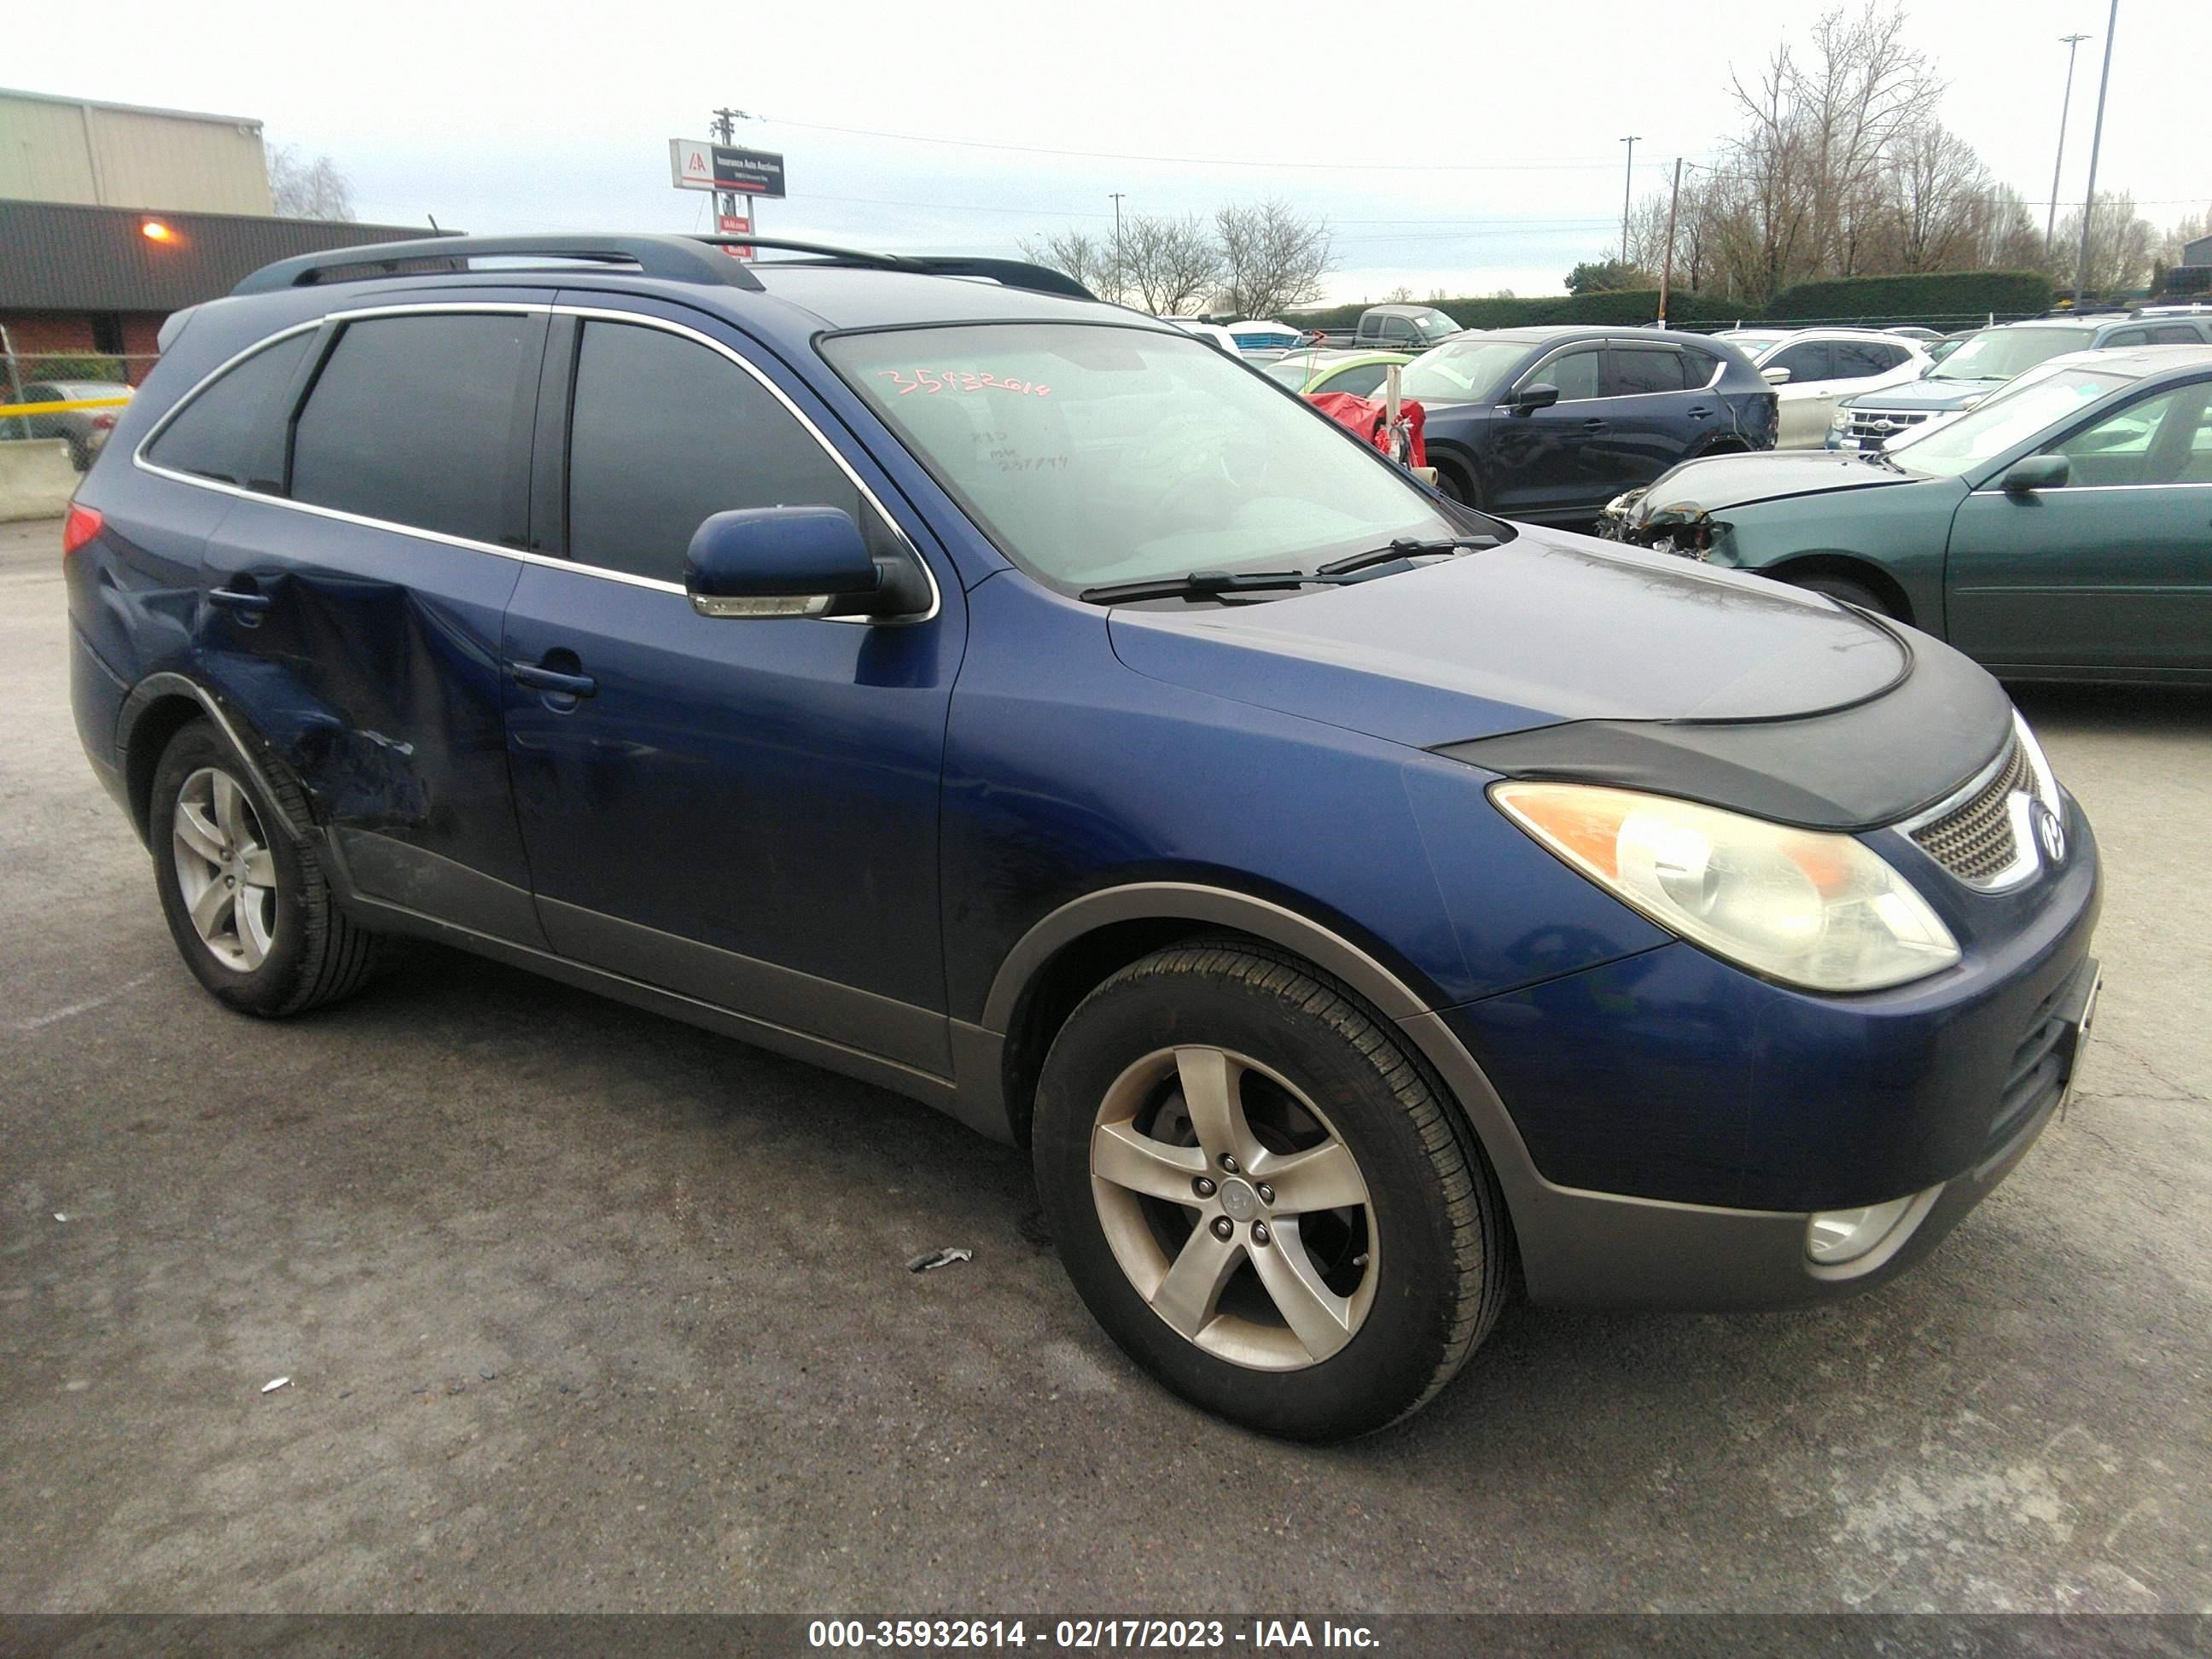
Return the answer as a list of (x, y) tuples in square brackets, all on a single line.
[(1665, 1127)]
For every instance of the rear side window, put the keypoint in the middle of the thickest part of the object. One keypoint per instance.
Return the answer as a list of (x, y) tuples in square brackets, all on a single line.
[(664, 433), (2174, 334), (233, 431), (1809, 360), (1856, 360), (413, 420), (1639, 371)]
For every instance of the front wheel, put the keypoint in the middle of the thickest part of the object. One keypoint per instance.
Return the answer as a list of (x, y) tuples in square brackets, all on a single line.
[(1260, 1196)]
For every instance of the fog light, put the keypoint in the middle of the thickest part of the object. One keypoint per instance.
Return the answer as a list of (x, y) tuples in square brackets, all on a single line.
[(1835, 1237)]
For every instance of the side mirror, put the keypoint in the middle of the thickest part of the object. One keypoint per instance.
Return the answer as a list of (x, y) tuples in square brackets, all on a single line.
[(1530, 398), (796, 561), (2025, 477), (1775, 376)]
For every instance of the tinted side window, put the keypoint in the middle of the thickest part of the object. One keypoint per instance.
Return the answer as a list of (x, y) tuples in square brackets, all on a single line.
[(2127, 336), (1575, 373), (412, 421), (1857, 359), (2174, 334), (1809, 360), (1639, 371), (1361, 382), (665, 433), (233, 431)]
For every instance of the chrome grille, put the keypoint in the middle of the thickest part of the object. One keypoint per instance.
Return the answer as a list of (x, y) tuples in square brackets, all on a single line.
[(1974, 841), (1876, 424)]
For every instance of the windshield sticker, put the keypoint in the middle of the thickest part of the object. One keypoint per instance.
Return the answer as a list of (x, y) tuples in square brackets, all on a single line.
[(933, 382)]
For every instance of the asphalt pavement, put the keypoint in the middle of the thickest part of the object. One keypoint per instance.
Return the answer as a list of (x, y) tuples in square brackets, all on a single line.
[(584, 1310)]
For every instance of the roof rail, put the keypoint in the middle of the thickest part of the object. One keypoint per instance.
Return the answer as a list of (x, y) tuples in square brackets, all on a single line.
[(677, 258), (673, 258), (1007, 273)]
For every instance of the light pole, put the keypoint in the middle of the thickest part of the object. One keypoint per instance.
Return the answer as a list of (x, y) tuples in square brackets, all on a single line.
[(1627, 183), (1117, 196), (2096, 140), (2073, 44)]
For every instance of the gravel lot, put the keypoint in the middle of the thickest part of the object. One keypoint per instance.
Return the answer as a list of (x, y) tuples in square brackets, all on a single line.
[(585, 1310)]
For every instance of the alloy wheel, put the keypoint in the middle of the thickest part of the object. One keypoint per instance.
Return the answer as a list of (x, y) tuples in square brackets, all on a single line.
[(225, 869), (1237, 1209)]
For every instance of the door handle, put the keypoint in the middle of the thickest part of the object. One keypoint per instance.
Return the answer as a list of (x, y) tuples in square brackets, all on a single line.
[(1699, 412), (1593, 426), (229, 600), (547, 679)]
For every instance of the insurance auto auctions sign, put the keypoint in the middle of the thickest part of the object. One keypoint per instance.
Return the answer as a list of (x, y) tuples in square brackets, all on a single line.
[(696, 164)]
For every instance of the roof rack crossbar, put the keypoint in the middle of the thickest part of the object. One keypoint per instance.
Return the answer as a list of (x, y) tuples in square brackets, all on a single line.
[(1007, 273), (674, 258)]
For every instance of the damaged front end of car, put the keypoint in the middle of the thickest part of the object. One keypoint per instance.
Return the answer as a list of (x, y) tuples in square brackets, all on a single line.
[(1648, 517)]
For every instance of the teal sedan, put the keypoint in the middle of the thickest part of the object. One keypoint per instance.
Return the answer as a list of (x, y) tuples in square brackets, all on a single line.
[(2061, 531)]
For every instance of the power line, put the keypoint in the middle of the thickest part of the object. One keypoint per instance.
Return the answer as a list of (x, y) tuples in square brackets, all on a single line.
[(1208, 160)]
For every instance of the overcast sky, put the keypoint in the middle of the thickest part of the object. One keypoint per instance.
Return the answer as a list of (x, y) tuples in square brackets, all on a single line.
[(1471, 149)]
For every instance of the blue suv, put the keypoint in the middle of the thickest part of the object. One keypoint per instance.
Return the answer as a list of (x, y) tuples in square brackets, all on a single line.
[(1360, 907)]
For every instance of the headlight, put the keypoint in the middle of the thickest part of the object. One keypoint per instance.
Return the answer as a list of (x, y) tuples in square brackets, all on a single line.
[(1843, 421), (1806, 907)]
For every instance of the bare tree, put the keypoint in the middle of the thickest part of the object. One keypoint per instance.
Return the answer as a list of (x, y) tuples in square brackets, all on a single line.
[(1272, 257), (1935, 200), (2121, 244), (1169, 262), (1075, 254), (1861, 89), (300, 189), (2176, 243)]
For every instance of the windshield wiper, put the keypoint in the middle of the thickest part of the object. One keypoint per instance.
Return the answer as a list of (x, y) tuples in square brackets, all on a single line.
[(1407, 547), (1204, 584)]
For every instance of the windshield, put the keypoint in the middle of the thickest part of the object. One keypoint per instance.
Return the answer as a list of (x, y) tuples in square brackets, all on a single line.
[(1093, 454), (1998, 353), (2009, 418), (1293, 371), (1467, 369)]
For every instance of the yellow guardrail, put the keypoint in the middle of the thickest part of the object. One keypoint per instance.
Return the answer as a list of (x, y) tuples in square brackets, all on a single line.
[(57, 409)]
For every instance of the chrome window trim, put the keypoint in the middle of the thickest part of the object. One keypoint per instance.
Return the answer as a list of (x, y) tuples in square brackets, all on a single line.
[(2099, 489), (524, 555), (2027, 856), (1532, 376)]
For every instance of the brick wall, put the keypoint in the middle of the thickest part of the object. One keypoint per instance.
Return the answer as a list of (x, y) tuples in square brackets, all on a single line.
[(36, 332)]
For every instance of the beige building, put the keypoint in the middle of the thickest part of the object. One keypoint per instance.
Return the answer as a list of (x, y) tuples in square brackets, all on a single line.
[(120, 156)]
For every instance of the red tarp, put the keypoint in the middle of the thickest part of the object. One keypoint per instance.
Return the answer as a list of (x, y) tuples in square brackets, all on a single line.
[(1364, 416)]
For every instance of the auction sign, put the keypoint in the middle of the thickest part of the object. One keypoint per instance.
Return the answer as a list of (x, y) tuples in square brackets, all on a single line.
[(698, 164)]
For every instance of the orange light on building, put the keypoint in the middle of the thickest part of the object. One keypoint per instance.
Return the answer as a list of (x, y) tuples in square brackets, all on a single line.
[(155, 231)]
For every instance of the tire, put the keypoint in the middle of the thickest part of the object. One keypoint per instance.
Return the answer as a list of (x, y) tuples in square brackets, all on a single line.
[(1414, 1258), (275, 943), (1459, 486), (1843, 588)]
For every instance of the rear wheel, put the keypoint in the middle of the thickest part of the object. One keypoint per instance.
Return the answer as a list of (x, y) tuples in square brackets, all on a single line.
[(1843, 588), (251, 913), (1459, 485), (1261, 1197)]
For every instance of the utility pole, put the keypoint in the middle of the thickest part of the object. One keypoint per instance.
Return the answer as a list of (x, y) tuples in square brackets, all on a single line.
[(2096, 140), (726, 202), (1666, 269), (1118, 267), (1627, 184), (2073, 44)]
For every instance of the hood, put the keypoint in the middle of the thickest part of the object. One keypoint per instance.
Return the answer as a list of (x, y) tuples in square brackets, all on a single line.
[(1923, 393), (1720, 482), (1549, 627)]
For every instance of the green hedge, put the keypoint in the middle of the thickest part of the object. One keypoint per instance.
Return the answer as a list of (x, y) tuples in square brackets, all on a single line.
[(1628, 307), (1968, 295)]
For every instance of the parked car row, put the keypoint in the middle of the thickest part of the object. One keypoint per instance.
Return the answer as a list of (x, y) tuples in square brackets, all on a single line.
[(85, 429)]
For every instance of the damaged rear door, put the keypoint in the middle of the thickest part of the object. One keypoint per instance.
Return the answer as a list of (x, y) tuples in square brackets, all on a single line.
[(352, 608)]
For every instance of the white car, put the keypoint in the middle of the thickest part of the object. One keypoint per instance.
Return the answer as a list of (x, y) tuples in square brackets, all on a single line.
[(1212, 332), (1813, 368)]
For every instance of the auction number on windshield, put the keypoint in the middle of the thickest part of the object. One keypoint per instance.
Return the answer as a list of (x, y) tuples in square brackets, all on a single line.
[(933, 382)]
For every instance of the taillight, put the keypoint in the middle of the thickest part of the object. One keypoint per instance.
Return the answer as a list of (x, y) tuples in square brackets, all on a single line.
[(82, 524)]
